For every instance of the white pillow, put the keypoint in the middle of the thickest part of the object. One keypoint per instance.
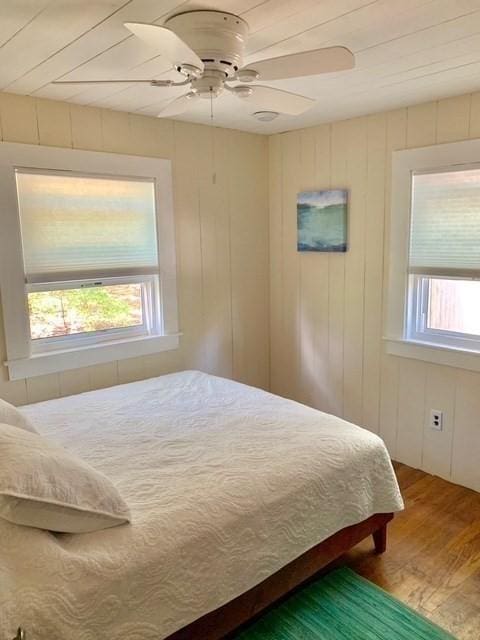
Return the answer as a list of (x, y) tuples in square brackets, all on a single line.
[(42, 485), (11, 415)]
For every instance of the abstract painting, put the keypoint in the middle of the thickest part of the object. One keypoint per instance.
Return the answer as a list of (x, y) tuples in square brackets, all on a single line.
[(322, 220)]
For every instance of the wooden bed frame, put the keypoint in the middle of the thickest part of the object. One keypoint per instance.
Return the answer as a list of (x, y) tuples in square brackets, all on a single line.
[(224, 620)]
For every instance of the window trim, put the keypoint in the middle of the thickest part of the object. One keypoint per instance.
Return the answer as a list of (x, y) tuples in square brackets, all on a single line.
[(21, 362), (443, 157)]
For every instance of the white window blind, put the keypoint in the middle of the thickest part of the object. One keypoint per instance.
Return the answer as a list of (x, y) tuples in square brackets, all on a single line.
[(74, 226), (445, 223)]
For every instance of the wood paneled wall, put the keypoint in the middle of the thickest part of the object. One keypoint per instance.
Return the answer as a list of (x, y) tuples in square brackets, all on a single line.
[(327, 310), (221, 209)]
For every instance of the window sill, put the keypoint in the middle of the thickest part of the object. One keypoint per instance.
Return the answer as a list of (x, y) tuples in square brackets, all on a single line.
[(44, 363), (434, 353)]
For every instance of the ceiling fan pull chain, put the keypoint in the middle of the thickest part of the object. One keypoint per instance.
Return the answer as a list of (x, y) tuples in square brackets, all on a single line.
[(214, 173)]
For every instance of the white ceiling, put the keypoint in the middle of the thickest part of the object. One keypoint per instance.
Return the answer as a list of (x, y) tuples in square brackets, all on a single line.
[(407, 51)]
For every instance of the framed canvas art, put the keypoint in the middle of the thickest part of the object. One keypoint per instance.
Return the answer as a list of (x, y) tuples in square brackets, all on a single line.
[(322, 220)]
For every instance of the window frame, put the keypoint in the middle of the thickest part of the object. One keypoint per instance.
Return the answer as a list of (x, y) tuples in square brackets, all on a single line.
[(23, 360), (417, 328), (151, 325), (402, 334)]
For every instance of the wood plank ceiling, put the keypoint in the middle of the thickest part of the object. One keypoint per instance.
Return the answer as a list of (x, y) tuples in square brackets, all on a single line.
[(406, 52)]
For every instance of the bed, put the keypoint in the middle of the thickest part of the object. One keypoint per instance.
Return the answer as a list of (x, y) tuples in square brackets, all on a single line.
[(229, 488)]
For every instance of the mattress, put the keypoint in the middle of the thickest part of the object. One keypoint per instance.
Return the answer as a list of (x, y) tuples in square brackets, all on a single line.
[(226, 484)]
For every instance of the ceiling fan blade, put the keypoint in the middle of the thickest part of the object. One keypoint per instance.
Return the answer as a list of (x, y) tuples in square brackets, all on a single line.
[(270, 99), (178, 106), (167, 43), (165, 83), (306, 63)]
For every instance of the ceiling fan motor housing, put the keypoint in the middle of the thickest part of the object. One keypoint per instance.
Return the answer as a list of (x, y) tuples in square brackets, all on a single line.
[(218, 38)]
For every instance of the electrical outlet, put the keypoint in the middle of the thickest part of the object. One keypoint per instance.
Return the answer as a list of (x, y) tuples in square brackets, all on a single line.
[(436, 419)]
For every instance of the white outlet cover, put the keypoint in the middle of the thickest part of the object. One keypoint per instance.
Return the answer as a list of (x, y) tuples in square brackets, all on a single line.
[(436, 419)]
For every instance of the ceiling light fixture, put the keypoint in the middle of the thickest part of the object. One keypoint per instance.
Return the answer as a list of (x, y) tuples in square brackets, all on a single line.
[(265, 116)]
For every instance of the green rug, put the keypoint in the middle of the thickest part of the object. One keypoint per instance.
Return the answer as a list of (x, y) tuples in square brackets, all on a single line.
[(342, 606)]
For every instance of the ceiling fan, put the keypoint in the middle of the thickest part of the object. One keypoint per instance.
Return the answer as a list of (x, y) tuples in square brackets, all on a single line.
[(208, 47)]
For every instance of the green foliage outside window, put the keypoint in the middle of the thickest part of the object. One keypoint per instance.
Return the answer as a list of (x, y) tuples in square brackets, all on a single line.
[(70, 311)]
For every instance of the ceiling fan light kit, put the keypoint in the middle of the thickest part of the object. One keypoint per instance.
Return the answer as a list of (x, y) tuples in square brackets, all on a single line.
[(241, 91), (208, 49), (247, 75)]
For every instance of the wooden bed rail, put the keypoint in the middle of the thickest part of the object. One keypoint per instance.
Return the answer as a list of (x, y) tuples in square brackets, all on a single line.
[(221, 622)]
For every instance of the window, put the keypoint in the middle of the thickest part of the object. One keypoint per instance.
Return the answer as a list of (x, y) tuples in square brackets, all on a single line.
[(97, 311), (444, 258), (88, 258), (433, 310)]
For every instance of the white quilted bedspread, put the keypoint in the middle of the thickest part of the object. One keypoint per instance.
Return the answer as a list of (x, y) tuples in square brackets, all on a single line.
[(226, 484)]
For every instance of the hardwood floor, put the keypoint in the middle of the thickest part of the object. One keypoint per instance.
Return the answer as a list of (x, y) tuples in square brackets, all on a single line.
[(432, 561)]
